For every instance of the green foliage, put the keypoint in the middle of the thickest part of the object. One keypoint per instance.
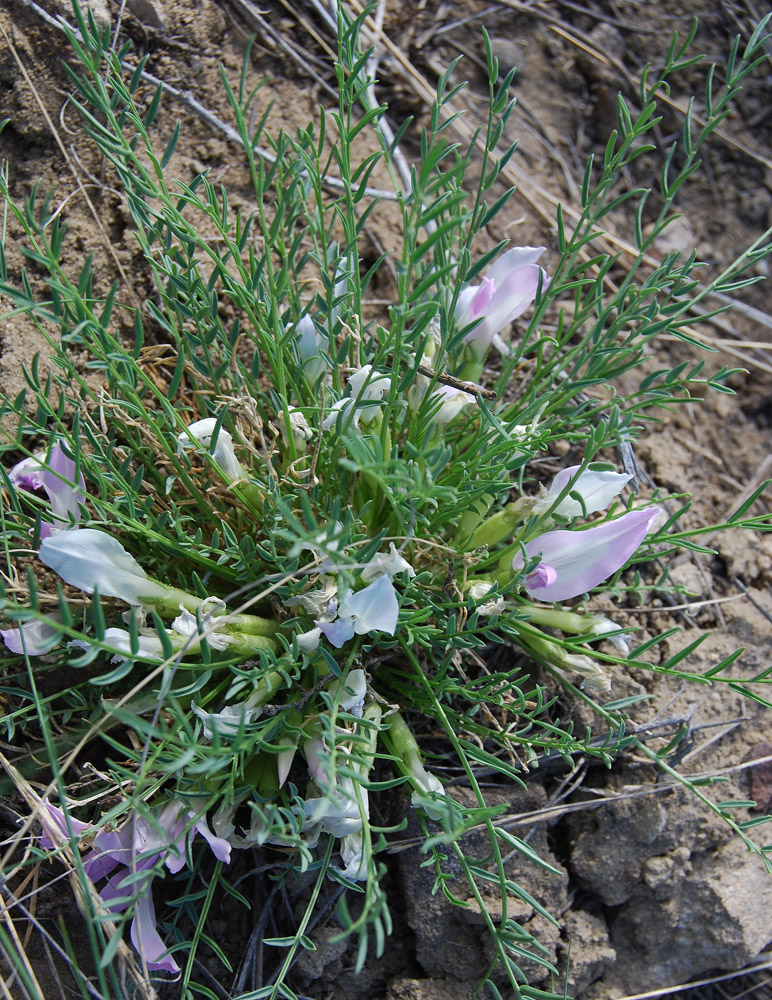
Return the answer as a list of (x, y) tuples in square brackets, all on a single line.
[(238, 298)]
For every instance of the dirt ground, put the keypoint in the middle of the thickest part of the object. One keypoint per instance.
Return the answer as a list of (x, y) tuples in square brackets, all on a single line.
[(655, 890)]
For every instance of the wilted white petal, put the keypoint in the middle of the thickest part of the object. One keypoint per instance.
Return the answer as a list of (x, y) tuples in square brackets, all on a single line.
[(301, 432), (428, 784), (186, 624), (391, 564), (317, 603), (594, 675), (229, 721), (351, 854), (478, 590)]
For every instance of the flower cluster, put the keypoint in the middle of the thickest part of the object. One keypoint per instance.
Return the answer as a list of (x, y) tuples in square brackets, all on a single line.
[(130, 859), (544, 552)]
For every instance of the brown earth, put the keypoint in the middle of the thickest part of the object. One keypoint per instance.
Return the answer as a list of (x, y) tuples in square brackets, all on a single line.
[(655, 890)]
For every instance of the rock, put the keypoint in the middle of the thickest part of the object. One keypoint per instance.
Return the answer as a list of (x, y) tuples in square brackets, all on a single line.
[(452, 939), (611, 845), (718, 916), (760, 777), (311, 965), (149, 12), (587, 950), (402, 988), (510, 56), (677, 237), (682, 910)]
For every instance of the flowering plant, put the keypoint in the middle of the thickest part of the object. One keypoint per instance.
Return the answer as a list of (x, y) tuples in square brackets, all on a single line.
[(276, 565)]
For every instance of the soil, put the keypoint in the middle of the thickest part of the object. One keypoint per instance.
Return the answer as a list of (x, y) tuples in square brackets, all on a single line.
[(653, 889)]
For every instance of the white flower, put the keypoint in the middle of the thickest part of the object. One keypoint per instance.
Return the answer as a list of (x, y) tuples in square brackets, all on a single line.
[(373, 609), (596, 488), (613, 632), (200, 433), (93, 560), (452, 401), (309, 641), (390, 564), (147, 645), (285, 758), (310, 346), (352, 692), (337, 809), (365, 385)]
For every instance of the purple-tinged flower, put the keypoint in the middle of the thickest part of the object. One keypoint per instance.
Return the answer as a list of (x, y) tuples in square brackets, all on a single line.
[(28, 474), (55, 826), (372, 609), (64, 493), (573, 562), (596, 488), (33, 638), (93, 560), (135, 849), (505, 293), (57, 478)]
